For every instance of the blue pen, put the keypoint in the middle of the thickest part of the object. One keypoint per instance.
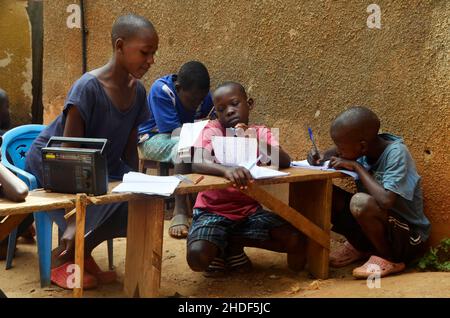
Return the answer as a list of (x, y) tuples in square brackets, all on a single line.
[(312, 139)]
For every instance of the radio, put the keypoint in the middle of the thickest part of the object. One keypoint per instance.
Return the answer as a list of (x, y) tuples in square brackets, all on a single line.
[(75, 169)]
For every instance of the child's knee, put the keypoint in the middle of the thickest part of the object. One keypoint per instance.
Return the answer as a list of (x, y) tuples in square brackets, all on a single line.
[(361, 205), (200, 254)]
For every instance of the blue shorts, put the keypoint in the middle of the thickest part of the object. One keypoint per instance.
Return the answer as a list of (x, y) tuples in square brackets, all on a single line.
[(216, 228)]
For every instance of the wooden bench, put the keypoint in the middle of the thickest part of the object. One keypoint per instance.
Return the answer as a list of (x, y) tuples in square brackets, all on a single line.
[(162, 168)]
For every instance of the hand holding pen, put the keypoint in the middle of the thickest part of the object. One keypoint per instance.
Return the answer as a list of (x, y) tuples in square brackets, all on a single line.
[(314, 157)]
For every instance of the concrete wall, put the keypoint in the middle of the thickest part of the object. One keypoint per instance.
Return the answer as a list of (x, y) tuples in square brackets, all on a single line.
[(15, 59), (302, 61)]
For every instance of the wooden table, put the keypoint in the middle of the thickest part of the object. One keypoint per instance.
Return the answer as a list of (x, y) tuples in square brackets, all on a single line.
[(38, 200), (309, 210)]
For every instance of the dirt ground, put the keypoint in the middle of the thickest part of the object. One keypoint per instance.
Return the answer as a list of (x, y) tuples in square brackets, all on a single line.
[(269, 278)]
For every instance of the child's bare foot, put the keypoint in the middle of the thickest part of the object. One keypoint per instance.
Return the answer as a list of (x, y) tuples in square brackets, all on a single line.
[(60, 256), (103, 277), (179, 226)]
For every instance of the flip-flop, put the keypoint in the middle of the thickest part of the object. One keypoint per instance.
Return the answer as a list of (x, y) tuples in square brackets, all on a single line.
[(378, 265), (217, 268), (239, 263), (61, 276), (177, 220), (104, 277)]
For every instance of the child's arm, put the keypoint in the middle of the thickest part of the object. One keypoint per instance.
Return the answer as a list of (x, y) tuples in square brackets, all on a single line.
[(74, 126), (240, 176), (11, 186), (285, 159), (162, 106), (384, 198), (130, 154)]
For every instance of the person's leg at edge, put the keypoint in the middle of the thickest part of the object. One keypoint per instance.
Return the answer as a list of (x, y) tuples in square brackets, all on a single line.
[(113, 227), (344, 223), (373, 222), (179, 225)]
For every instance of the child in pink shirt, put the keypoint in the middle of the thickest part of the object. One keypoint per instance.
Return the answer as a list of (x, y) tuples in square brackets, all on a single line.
[(226, 220)]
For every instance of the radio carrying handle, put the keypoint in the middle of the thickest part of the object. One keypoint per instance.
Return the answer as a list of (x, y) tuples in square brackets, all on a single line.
[(99, 142)]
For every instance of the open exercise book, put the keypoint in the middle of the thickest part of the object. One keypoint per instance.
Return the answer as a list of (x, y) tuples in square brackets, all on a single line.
[(305, 164), (241, 151), (136, 182), (190, 133)]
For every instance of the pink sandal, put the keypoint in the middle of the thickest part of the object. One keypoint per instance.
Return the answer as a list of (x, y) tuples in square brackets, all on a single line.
[(346, 255), (378, 265)]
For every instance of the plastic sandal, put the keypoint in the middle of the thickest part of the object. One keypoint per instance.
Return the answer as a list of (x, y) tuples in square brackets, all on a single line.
[(217, 268), (378, 265), (345, 255), (240, 263), (61, 276)]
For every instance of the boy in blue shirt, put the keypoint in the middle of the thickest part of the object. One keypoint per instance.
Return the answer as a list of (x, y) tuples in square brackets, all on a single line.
[(173, 100), (385, 218)]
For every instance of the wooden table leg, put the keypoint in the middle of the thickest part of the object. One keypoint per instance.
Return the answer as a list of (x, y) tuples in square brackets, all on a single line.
[(313, 200), (79, 242), (144, 247), (9, 223), (293, 216)]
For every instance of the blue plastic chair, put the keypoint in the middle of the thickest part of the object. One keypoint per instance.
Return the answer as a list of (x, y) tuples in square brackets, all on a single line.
[(16, 143)]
